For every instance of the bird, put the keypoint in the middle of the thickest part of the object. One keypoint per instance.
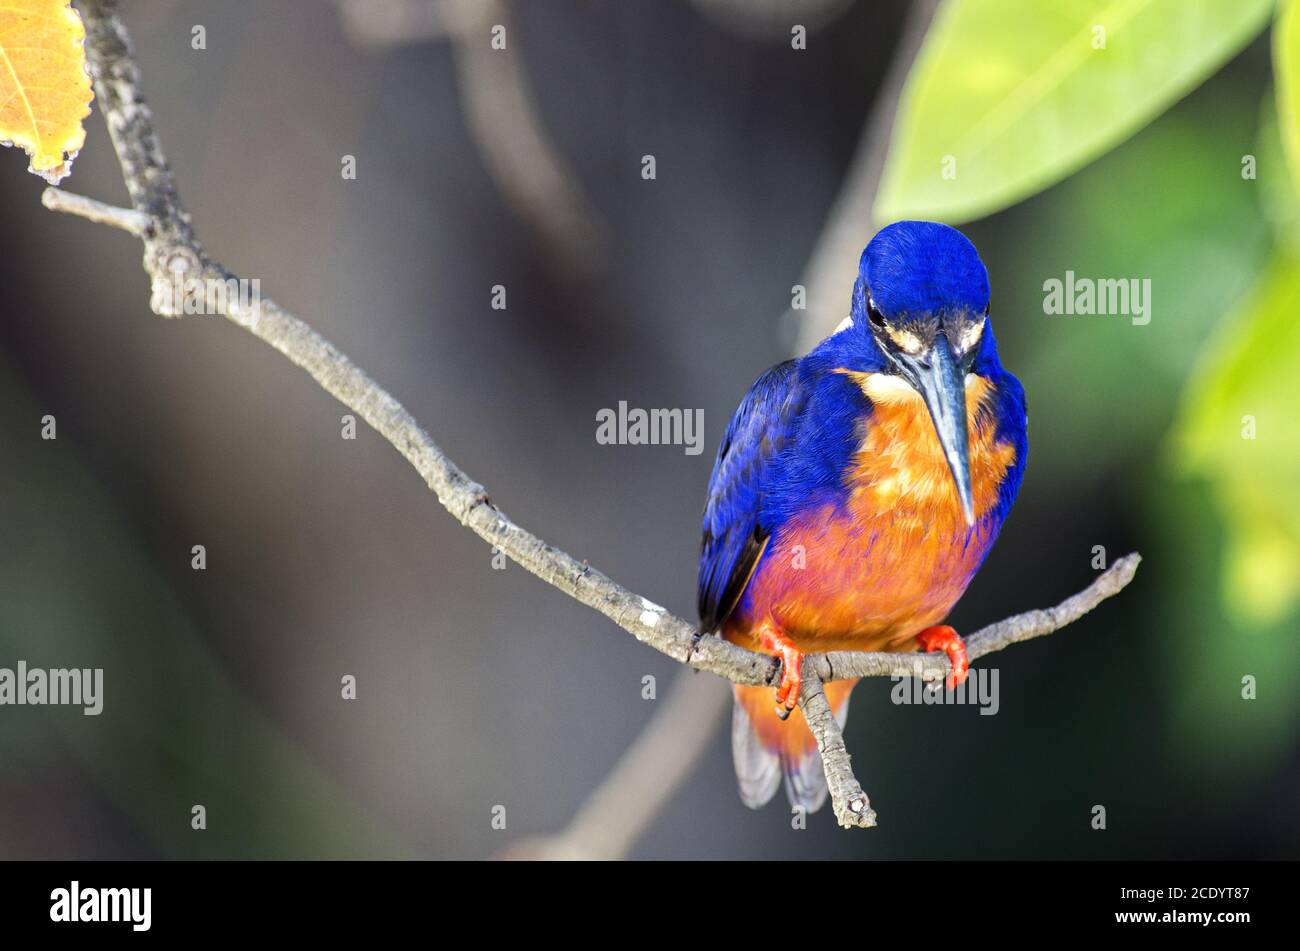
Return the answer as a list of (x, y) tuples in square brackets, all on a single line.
[(858, 489)]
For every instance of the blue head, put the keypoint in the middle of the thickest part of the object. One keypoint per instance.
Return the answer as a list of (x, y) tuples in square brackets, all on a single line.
[(919, 274), (920, 315)]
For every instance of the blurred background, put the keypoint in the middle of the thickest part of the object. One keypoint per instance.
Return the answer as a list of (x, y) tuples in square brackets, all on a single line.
[(479, 687)]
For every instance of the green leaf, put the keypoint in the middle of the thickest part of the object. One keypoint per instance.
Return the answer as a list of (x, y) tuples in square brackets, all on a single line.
[(1202, 246), (1239, 430), (1008, 97), (1286, 72)]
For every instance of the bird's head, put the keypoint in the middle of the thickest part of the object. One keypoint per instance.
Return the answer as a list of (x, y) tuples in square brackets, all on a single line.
[(919, 322)]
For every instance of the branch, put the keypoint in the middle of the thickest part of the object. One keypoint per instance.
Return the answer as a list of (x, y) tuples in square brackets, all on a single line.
[(931, 668), (850, 803), (169, 238), (127, 219)]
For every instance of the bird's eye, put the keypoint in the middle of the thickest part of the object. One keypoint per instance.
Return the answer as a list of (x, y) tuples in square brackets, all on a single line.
[(874, 315)]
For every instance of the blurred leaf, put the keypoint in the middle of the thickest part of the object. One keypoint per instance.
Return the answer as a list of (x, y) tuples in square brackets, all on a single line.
[(1201, 242), (44, 86), (1239, 429), (1014, 95), (1279, 200), (1286, 72)]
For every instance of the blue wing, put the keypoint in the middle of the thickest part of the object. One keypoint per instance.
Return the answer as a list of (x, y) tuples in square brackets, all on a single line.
[(733, 539)]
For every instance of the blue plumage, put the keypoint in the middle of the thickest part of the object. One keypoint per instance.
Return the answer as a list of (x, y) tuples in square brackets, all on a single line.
[(858, 489), (790, 442), (916, 268)]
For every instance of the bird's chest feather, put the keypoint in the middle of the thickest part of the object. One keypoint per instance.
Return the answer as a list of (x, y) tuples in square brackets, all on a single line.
[(891, 553)]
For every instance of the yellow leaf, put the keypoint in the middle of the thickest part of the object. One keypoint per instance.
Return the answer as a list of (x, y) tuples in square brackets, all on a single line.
[(44, 87)]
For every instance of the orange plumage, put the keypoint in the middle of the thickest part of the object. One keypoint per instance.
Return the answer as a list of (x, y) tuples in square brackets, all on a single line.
[(871, 575), (902, 530)]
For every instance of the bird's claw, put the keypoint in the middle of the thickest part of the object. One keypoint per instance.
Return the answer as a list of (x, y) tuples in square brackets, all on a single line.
[(787, 693), (944, 638)]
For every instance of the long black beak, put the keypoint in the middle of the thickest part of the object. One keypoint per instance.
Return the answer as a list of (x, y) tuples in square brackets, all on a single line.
[(941, 382)]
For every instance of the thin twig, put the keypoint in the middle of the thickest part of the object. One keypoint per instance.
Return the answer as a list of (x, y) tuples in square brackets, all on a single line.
[(150, 184), (846, 665), (127, 219)]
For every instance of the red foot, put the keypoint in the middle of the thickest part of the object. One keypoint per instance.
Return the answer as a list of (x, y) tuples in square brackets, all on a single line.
[(774, 640), (943, 638)]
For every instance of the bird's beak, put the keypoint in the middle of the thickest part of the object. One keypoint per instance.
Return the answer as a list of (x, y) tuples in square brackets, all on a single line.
[(939, 379)]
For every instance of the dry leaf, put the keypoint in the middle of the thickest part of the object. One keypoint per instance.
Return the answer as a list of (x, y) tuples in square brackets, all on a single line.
[(44, 87)]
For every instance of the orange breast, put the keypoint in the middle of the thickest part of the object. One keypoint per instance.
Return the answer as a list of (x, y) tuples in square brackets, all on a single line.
[(894, 557)]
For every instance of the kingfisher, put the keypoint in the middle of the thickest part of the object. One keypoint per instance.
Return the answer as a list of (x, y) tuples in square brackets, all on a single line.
[(857, 491)]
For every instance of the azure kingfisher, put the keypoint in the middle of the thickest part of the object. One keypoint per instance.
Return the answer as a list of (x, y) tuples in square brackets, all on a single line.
[(858, 489)]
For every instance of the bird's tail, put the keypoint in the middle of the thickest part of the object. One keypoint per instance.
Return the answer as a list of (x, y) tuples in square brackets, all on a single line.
[(767, 748)]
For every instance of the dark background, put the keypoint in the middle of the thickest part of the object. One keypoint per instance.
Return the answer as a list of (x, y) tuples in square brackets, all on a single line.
[(480, 687)]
